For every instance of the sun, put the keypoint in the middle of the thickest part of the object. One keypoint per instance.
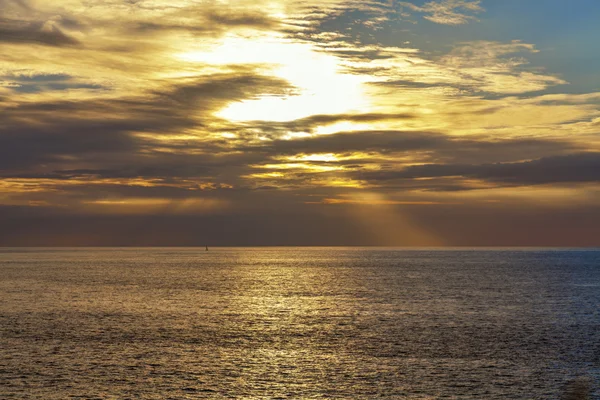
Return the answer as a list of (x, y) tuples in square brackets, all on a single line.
[(320, 84)]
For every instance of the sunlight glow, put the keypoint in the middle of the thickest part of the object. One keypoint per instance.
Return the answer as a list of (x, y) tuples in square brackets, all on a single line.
[(344, 126), (323, 157), (152, 205), (328, 157), (319, 85), (301, 166)]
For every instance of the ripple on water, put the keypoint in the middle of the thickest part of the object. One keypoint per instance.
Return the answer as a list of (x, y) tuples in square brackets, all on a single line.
[(299, 323)]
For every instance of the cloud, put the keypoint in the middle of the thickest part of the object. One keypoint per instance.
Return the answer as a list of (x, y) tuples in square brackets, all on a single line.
[(57, 131), (205, 21), (380, 141), (431, 145), (498, 68), (253, 18), (311, 123), (313, 224), (15, 4), (380, 158), (571, 168), (23, 32), (117, 105), (448, 12)]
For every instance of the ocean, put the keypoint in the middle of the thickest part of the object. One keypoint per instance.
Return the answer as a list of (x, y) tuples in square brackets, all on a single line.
[(303, 323)]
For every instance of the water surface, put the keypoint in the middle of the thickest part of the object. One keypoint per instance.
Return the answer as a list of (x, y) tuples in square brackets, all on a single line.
[(350, 323)]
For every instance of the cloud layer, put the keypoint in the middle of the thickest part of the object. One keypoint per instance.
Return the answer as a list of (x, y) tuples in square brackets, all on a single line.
[(321, 109)]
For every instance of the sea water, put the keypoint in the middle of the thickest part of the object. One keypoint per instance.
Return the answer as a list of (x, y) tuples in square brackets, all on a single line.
[(354, 323)]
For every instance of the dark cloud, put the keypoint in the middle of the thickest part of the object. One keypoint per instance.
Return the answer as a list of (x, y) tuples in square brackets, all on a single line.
[(380, 141), (275, 130), (317, 225), (309, 123), (32, 134), (24, 32), (214, 230), (572, 168), (30, 146), (214, 91), (439, 146)]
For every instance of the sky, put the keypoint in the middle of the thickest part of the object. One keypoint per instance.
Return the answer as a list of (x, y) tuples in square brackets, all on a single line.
[(286, 122)]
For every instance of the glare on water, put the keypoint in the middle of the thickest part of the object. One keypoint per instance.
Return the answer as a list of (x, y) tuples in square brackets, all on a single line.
[(298, 323)]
